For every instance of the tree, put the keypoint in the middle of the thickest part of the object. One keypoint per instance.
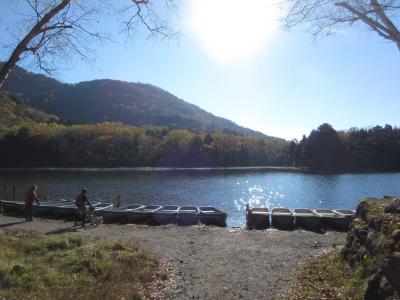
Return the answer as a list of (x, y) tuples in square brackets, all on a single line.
[(55, 30), (326, 16)]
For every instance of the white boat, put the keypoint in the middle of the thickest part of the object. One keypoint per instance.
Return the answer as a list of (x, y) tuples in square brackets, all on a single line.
[(67, 210), (260, 217), (348, 215), (101, 206), (117, 215), (46, 207), (331, 219), (210, 215), (166, 215), (282, 218), (188, 215), (19, 206), (141, 214), (12, 206), (307, 219)]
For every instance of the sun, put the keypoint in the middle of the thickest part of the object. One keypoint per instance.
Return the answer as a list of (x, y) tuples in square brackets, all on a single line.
[(233, 30)]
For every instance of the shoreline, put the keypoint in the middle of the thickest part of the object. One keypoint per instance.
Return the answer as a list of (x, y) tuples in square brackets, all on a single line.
[(150, 169), (210, 262), (303, 170)]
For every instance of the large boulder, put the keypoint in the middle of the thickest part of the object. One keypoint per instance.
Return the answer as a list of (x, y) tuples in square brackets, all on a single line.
[(373, 246)]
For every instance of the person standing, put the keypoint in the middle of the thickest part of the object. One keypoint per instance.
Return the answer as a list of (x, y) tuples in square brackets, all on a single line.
[(80, 202), (30, 197)]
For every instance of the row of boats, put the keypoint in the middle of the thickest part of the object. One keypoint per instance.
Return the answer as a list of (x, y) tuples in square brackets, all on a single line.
[(135, 213), (286, 219)]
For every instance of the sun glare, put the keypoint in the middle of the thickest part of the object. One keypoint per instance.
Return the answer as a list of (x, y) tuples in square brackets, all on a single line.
[(233, 30)]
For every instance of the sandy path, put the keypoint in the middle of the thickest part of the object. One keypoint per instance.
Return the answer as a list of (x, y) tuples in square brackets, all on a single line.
[(211, 263)]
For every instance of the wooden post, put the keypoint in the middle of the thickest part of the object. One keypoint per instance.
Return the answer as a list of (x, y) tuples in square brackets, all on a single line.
[(249, 212), (118, 202), (13, 192)]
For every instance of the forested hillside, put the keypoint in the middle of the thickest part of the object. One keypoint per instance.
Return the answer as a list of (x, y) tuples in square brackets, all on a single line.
[(116, 101), (377, 148), (14, 114), (117, 145)]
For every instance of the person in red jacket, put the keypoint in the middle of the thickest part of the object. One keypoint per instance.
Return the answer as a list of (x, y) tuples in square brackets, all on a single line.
[(30, 197)]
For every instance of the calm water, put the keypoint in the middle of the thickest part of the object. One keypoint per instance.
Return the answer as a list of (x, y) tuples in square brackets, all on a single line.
[(228, 190)]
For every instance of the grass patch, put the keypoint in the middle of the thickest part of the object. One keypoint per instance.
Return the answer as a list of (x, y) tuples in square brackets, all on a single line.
[(326, 277), (34, 266)]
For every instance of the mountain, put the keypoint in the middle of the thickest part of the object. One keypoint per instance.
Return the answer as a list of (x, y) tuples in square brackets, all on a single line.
[(15, 113), (97, 101)]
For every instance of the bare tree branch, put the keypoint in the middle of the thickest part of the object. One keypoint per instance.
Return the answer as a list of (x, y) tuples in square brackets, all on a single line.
[(326, 16), (58, 30)]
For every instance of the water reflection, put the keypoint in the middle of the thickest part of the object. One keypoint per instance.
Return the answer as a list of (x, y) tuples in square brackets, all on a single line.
[(228, 190)]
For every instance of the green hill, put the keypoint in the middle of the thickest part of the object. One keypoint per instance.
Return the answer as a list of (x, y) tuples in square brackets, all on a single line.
[(135, 104), (15, 113)]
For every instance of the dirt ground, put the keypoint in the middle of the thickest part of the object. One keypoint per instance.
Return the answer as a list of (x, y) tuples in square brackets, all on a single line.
[(210, 262)]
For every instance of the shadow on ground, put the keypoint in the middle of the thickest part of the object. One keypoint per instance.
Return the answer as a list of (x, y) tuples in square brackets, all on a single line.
[(63, 230)]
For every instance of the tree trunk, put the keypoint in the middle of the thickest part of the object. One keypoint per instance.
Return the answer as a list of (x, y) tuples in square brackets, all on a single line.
[(23, 45)]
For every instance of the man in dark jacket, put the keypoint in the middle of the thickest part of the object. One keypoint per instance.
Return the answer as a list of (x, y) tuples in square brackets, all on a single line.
[(30, 197), (80, 202)]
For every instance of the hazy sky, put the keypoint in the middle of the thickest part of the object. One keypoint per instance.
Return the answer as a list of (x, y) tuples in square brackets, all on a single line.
[(236, 62)]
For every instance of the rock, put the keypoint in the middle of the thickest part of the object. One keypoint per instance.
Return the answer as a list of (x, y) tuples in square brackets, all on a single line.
[(371, 293), (393, 207), (18, 269), (392, 270), (362, 210), (375, 223), (362, 234), (373, 246), (396, 235)]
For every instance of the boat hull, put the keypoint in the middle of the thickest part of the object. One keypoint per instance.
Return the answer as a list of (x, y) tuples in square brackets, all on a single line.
[(9, 207), (311, 222), (217, 219), (283, 222), (164, 218), (260, 220), (187, 219), (113, 216), (64, 211), (334, 223), (138, 217), (47, 209), (142, 215)]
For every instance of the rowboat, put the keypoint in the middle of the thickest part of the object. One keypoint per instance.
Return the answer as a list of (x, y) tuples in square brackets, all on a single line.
[(98, 207), (116, 215), (348, 215), (46, 208), (210, 215), (307, 219), (166, 215), (69, 210), (12, 206), (282, 218), (188, 215), (19, 206), (141, 214), (260, 217), (331, 219)]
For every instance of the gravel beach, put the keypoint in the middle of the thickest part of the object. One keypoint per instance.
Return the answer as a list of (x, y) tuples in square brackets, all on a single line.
[(210, 262)]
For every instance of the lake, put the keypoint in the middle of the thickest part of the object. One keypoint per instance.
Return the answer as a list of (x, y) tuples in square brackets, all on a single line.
[(226, 189)]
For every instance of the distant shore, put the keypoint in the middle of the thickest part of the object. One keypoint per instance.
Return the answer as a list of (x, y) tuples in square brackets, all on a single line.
[(91, 169), (202, 169)]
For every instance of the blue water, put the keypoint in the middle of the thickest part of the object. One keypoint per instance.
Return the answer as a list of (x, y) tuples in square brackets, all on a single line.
[(228, 190)]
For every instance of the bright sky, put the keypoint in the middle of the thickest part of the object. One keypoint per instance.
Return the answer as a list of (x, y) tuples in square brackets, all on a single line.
[(233, 60)]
